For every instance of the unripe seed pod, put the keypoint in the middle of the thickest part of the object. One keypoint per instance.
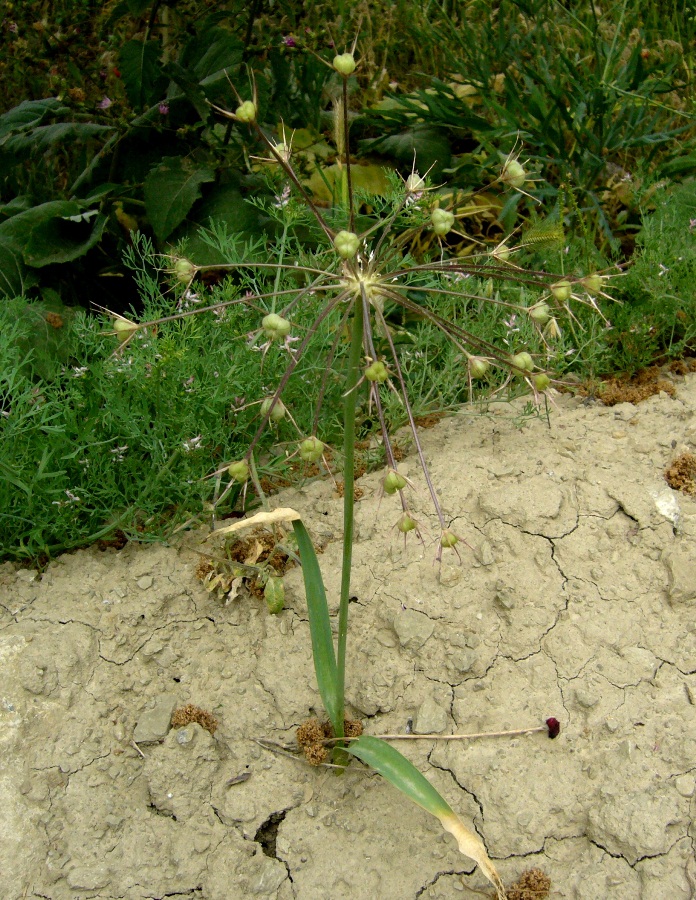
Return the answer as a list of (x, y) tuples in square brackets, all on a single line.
[(274, 595), (124, 329), (346, 244), (277, 412), (311, 449), (523, 361), (449, 539), (502, 252), (478, 366), (593, 283), (540, 313), (393, 482), (406, 523), (377, 372), (414, 183), (275, 326), (513, 174), (239, 471), (344, 63), (184, 270), (246, 112), (442, 220), (562, 290), (541, 381)]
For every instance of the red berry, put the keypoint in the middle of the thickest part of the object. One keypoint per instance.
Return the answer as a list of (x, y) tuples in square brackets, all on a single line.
[(554, 727)]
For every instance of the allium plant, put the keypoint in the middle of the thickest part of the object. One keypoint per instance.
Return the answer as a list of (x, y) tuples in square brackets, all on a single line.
[(356, 274)]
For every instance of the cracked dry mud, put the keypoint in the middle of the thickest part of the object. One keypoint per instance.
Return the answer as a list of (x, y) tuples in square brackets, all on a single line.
[(577, 600)]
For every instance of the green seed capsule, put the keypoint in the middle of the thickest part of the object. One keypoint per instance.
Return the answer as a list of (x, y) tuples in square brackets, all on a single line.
[(442, 220), (274, 595), (478, 366), (414, 183), (393, 482), (523, 361), (541, 381), (344, 63), (562, 290), (406, 524), (377, 372), (277, 412), (346, 244), (275, 326), (239, 471), (124, 329), (593, 283), (449, 539), (184, 270), (514, 174), (246, 112), (311, 449), (540, 313)]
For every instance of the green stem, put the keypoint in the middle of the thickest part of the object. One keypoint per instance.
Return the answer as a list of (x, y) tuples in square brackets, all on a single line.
[(352, 375)]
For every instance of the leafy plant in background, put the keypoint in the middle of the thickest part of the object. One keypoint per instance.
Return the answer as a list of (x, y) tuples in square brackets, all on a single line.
[(600, 101), (150, 157), (361, 277)]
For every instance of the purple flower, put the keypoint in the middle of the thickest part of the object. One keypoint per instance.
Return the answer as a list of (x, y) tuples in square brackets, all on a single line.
[(104, 104), (289, 41), (163, 108)]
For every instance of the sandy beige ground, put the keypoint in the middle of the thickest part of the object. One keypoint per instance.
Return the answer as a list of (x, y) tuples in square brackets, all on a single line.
[(577, 600)]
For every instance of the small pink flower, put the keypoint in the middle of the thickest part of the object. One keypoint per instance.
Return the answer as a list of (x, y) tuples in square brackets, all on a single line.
[(104, 104), (289, 41), (163, 108)]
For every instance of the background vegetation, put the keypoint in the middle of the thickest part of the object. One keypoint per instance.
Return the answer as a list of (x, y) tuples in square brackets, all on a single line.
[(113, 160)]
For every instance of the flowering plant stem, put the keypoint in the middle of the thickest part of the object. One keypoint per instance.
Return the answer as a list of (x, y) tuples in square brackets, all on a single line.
[(352, 375)]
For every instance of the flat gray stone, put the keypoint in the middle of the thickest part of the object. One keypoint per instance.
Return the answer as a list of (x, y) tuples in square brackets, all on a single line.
[(412, 628), (681, 574), (430, 718), (154, 723)]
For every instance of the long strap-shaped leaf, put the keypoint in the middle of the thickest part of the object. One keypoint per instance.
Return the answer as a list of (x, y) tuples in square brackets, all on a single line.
[(319, 626), (384, 759)]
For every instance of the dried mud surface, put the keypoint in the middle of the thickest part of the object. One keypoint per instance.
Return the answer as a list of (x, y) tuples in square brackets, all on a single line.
[(577, 600)]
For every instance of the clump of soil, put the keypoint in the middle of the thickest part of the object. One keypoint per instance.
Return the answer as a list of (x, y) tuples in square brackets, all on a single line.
[(531, 885), (185, 715), (243, 557), (312, 734), (681, 475), (640, 386)]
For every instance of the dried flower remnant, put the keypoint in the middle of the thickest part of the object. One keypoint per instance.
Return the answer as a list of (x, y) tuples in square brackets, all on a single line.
[(185, 715)]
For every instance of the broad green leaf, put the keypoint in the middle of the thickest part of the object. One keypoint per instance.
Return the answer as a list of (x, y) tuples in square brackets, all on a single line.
[(44, 235), (401, 773), (319, 626), (325, 183), (29, 114), (15, 279), (171, 189), (429, 145), (48, 137), (141, 72)]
